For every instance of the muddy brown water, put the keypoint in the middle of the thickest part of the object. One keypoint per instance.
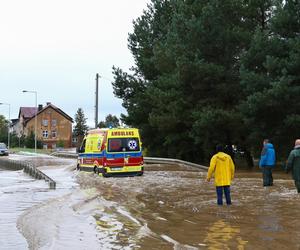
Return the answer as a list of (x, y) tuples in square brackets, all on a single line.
[(177, 209), (170, 207)]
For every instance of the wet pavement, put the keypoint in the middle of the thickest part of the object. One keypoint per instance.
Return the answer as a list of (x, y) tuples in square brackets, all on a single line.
[(170, 207)]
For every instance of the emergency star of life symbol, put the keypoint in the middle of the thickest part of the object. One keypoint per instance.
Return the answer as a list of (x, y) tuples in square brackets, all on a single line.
[(132, 144)]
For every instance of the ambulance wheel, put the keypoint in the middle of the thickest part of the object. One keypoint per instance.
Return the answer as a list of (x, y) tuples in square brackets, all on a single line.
[(95, 170)]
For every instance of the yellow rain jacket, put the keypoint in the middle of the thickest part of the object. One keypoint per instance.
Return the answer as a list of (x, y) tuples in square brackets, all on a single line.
[(221, 165)]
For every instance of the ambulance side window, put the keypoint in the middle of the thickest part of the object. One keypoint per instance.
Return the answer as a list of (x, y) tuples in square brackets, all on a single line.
[(82, 147)]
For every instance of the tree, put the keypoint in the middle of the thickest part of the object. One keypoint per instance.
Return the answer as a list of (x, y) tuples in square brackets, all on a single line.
[(81, 127), (187, 64), (29, 141), (271, 78), (132, 88), (211, 71), (110, 121), (16, 141), (3, 129)]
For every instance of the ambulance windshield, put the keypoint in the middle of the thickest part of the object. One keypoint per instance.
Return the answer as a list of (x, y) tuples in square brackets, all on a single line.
[(123, 144)]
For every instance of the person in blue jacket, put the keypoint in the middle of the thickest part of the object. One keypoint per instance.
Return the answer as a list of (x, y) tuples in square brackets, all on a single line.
[(267, 162)]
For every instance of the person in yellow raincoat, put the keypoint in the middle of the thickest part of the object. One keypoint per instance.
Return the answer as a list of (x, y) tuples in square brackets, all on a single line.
[(222, 167)]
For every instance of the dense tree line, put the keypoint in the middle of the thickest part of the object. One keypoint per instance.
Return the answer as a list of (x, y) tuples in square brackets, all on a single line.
[(213, 71)]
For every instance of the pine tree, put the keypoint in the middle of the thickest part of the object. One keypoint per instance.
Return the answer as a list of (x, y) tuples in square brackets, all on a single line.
[(187, 63), (81, 127), (211, 71), (270, 75), (110, 121)]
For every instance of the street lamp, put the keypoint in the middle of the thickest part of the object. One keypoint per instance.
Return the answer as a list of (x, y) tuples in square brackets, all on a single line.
[(35, 119), (8, 136)]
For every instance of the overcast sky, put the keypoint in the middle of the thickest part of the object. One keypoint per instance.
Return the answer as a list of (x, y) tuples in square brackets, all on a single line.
[(56, 48)]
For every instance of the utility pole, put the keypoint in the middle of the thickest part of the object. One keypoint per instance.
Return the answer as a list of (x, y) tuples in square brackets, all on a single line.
[(96, 100)]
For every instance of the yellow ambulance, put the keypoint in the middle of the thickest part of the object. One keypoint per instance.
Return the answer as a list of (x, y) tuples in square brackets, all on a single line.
[(111, 152)]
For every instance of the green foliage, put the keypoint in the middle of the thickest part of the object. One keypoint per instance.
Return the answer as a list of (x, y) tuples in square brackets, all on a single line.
[(211, 71), (110, 121), (29, 141), (15, 141), (214, 126), (271, 77), (80, 127), (60, 144), (3, 129)]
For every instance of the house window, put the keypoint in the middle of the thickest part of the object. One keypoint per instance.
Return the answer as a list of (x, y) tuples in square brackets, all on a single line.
[(53, 134), (45, 134), (45, 122), (54, 122)]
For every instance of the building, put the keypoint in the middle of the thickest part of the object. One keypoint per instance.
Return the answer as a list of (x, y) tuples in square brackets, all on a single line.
[(18, 125), (54, 127)]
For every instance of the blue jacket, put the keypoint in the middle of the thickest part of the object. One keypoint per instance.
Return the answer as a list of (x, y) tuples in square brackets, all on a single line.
[(267, 156)]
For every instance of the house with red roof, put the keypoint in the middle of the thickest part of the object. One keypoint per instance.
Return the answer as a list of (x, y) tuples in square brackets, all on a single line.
[(54, 126)]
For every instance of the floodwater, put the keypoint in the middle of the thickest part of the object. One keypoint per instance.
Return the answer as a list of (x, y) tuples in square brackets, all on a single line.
[(170, 207), (36, 217), (176, 209)]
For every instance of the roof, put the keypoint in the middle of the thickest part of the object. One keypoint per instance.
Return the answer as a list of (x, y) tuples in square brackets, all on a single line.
[(27, 112), (14, 121), (50, 105)]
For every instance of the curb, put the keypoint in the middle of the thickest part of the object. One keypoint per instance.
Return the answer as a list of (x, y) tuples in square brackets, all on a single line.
[(28, 169)]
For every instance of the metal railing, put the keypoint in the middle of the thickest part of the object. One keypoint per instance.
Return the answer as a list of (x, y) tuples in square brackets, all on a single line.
[(155, 160), (148, 160)]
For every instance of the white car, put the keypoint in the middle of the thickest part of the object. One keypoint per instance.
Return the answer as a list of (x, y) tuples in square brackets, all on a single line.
[(3, 149)]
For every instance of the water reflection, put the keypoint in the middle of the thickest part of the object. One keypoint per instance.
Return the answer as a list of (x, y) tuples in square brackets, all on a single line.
[(221, 235)]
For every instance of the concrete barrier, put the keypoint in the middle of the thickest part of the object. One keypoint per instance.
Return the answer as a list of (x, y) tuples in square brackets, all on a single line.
[(28, 168), (148, 160), (65, 154)]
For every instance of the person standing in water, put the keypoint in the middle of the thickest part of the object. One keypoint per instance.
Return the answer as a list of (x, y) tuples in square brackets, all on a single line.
[(293, 163), (267, 162), (222, 167)]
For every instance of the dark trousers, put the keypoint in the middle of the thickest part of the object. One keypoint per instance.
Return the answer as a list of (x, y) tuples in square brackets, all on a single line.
[(297, 184), (219, 190), (267, 176)]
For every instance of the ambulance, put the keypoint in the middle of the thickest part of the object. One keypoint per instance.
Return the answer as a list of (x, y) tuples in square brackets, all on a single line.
[(111, 152)]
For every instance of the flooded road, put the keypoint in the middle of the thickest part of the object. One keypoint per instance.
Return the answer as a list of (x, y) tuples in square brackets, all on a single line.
[(36, 217), (12, 187), (176, 209), (170, 207)]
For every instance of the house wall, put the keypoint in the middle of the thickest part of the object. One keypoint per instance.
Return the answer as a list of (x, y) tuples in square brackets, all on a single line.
[(17, 129), (63, 128)]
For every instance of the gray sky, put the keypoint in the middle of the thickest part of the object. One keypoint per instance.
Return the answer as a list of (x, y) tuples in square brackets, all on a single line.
[(56, 48)]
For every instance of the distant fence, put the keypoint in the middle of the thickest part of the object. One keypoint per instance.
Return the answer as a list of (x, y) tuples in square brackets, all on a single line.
[(28, 168), (148, 160)]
